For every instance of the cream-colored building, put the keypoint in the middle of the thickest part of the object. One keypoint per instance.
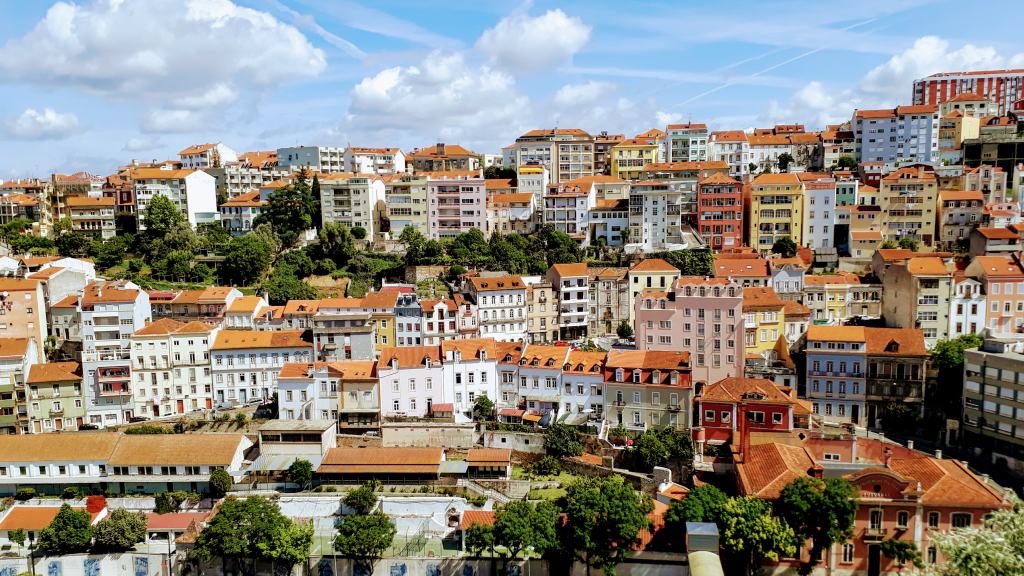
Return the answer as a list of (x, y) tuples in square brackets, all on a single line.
[(776, 210), (352, 200), (406, 199), (92, 216), (908, 199)]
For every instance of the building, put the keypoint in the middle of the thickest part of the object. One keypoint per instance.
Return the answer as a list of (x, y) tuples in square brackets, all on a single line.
[(194, 192), (342, 330), (969, 104), (571, 285), (628, 158), (207, 305), (1004, 87), (253, 171), (239, 214), (897, 364), (908, 200), (609, 300), (837, 142), (731, 146), (897, 136), (406, 198), (501, 306), (352, 200), (959, 213), (567, 153), (324, 159), (411, 381), (470, 370), (54, 401), (540, 383), (747, 269), (966, 306), (701, 316), (374, 160), (751, 404), (1002, 277), (458, 203), (23, 309), (534, 179), (787, 277), (993, 416), (609, 222), (987, 179), (766, 149), (567, 208), (514, 213), (686, 142), (836, 373), (111, 312), (583, 387), (541, 313), (171, 368), (720, 212), (837, 298), (763, 322), (603, 144), (776, 211), (202, 156), (649, 275), (819, 214), (647, 389), (655, 208), (92, 216), (17, 355), (62, 187), (344, 392), (246, 363), (443, 157)]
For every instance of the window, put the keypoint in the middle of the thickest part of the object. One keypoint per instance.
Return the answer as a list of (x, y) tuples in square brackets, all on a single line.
[(848, 553), (726, 416), (902, 518), (932, 555), (875, 520), (776, 417), (961, 520), (709, 415), (933, 519), (755, 417)]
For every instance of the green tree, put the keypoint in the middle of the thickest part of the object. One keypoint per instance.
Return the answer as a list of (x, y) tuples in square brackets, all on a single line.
[(282, 286), (649, 451), (169, 502), (908, 243), (298, 262), (300, 472), (500, 173), (784, 160), (995, 550), (362, 499), (413, 241), (948, 357), (519, 526), (177, 264), (161, 216), (17, 536), (364, 537), (901, 551), (247, 530), (220, 483), (624, 330), (562, 441), (821, 511), (288, 546), (604, 517), (704, 503), (784, 247), (359, 233), (318, 217), (483, 408), (69, 532), (336, 242), (120, 531), (213, 236), (888, 245), (749, 532), (480, 539), (289, 211), (846, 163), (247, 260)]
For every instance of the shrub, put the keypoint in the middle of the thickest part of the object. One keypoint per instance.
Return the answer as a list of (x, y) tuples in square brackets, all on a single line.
[(546, 466), (70, 493), (25, 494)]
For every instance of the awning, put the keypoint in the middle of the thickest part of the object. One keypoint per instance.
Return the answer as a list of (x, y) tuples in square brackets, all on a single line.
[(454, 467), (532, 417), (280, 462), (511, 412)]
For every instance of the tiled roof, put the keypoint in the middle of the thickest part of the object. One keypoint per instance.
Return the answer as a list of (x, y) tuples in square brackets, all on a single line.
[(683, 166), (894, 254), (735, 390), (249, 199), (761, 297), (385, 460), (794, 309), (108, 292), (89, 202), (489, 456), (448, 150), (564, 270), (767, 468), (741, 268), (513, 198), (165, 326), (160, 174), (539, 356), (769, 179), (243, 339), (481, 284), (823, 333), (177, 521), (175, 449), (718, 178), (80, 446), (33, 518), (13, 347), (471, 517), (647, 359), (55, 372), (196, 149), (653, 265), (956, 195), (246, 304), (293, 307), (895, 341), (410, 356), (471, 347), (831, 279), (998, 233), (585, 362), (927, 266)]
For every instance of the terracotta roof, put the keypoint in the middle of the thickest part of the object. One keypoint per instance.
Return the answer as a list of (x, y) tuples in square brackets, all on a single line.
[(653, 265), (742, 268), (823, 333), (736, 390), (498, 183), (45, 273), (386, 460), (718, 178), (905, 341), (556, 131), (365, 150), (249, 199), (481, 284), (690, 126), (160, 174), (89, 202), (176, 449), (545, 357), (647, 359), (927, 266), (968, 97), (729, 136), (917, 109), (489, 456), (514, 198), (875, 114), (793, 309), (685, 166), (243, 339), (580, 362), (79, 446), (605, 204), (384, 298), (55, 372), (767, 468), (18, 284), (410, 356), (196, 149), (768, 140), (769, 179), (998, 233), (470, 348), (246, 304), (910, 172), (34, 518), (831, 279), (259, 157), (306, 307), (865, 235), (471, 517), (895, 254), (67, 302), (448, 150), (563, 270), (174, 521), (761, 297), (108, 292), (13, 347), (165, 326), (513, 351), (956, 195)]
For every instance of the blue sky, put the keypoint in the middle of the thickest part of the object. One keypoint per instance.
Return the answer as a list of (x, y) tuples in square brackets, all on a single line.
[(93, 84)]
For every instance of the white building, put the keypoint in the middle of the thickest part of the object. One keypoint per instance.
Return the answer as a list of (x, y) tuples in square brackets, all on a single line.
[(731, 147), (819, 213), (171, 368), (501, 306), (238, 214), (686, 143), (374, 160), (654, 215), (412, 381), (533, 179), (583, 386), (237, 178), (203, 156), (312, 158), (540, 381), (571, 284), (111, 312), (246, 363), (966, 307), (194, 192), (567, 208), (470, 370)]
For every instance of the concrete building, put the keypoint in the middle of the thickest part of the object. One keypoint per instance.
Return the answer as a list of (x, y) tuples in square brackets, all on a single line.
[(629, 157), (916, 295), (541, 313), (171, 368), (352, 200), (92, 216), (470, 370), (835, 373), (720, 212), (959, 213), (603, 144), (567, 153), (443, 157), (17, 355), (764, 322), (610, 300), (989, 180), (501, 306), (23, 309), (993, 420), (239, 214), (731, 146), (609, 220), (837, 298), (324, 159), (203, 156), (342, 330), (248, 174), (513, 213), (406, 199), (193, 191), (374, 160), (897, 136), (411, 381), (1004, 87), (655, 208), (647, 389), (62, 187), (54, 398), (896, 369), (458, 203), (649, 275), (776, 210), (1003, 280), (567, 208), (571, 285), (966, 306), (819, 214), (686, 142), (342, 392), (533, 179), (700, 316), (246, 363), (908, 201)]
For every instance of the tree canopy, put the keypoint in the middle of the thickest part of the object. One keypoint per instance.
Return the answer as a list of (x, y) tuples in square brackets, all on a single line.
[(821, 511), (252, 529), (784, 247), (300, 472), (520, 525), (364, 537), (120, 531), (996, 549), (69, 532), (290, 210), (561, 441), (220, 483), (362, 499), (604, 517), (247, 260)]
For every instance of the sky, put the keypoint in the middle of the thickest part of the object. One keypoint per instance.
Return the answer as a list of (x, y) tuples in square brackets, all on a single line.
[(93, 84)]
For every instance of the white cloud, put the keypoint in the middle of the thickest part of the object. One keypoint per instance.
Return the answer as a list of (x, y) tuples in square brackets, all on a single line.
[(584, 93), (523, 43), (173, 120), (142, 144), (181, 54), (441, 96), (45, 124)]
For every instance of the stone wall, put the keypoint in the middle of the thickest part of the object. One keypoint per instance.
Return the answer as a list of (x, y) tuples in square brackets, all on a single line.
[(423, 434)]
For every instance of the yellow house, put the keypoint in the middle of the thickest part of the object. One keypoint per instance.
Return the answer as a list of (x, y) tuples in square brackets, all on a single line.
[(776, 210), (650, 275), (764, 317), (381, 307), (629, 157), (908, 198)]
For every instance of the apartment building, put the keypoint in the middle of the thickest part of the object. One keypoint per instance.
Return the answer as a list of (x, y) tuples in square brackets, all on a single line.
[(194, 192), (609, 222), (352, 200), (987, 179), (686, 142), (17, 355), (567, 208), (571, 285), (908, 200), (750, 405), (514, 213), (603, 144), (202, 156), (765, 150), (171, 372), (629, 157), (720, 211), (655, 208), (993, 400), (835, 373), (649, 275), (501, 306), (541, 313), (836, 298), (700, 316), (896, 361), (747, 269), (787, 277), (819, 213), (444, 157), (342, 330), (897, 136), (23, 309), (470, 370), (374, 160), (776, 210), (609, 300), (540, 382), (763, 321), (238, 215), (341, 392), (92, 216), (62, 187), (411, 381), (458, 203), (245, 363), (647, 389), (406, 199), (248, 174), (1003, 280), (111, 312), (533, 179), (731, 147), (247, 312), (966, 306), (324, 159), (959, 213), (1004, 87), (583, 387), (837, 142), (205, 305), (54, 401), (567, 153)]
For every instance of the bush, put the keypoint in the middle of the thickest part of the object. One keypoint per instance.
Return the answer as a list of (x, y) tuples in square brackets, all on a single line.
[(70, 493), (241, 419), (25, 494), (220, 482), (148, 429), (546, 466)]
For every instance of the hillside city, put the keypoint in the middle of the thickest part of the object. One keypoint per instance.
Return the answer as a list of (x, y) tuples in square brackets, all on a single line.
[(684, 351)]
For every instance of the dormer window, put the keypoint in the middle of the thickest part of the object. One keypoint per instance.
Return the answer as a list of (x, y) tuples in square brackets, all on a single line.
[(656, 377), (647, 303), (636, 376), (673, 378), (522, 361), (567, 367), (534, 362), (550, 362), (892, 346), (483, 354), (619, 375), (394, 363)]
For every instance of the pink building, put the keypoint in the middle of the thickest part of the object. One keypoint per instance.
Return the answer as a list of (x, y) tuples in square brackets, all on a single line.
[(458, 203), (702, 316)]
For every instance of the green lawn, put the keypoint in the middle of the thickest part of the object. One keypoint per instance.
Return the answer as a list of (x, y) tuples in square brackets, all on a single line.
[(546, 493)]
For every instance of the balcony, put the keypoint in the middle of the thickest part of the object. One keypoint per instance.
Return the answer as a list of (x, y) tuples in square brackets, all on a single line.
[(619, 402), (874, 534), (675, 407), (56, 412)]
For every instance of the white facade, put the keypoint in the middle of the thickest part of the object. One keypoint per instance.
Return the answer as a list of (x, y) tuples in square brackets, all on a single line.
[(374, 161), (501, 307), (305, 392), (733, 149), (171, 368), (207, 156), (966, 307), (314, 158), (470, 370), (819, 213), (412, 381), (686, 143), (245, 365), (194, 192), (567, 208), (533, 179), (456, 205), (654, 214)]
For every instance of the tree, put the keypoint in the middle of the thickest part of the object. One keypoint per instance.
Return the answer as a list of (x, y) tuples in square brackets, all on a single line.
[(213, 236), (359, 233), (169, 502), (784, 160), (220, 483), (908, 243), (161, 216), (996, 549), (902, 551), (69, 532), (784, 247), (288, 546), (500, 173), (649, 451), (750, 532), (820, 511), (603, 518), (888, 245), (519, 526), (624, 330), (245, 531), (17, 536), (248, 258), (480, 538), (282, 286), (846, 163), (336, 242), (364, 537), (362, 499), (120, 531), (704, 503), (318, 217), (289, 211), (948, 357), (562, 441), (300, 472), (483, 408)]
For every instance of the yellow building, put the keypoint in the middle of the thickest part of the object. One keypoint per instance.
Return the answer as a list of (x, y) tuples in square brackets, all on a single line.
[(381, 307), (629, 157), (764, 317), (776, 210), (650, 275), (406, 198), (908, 199)]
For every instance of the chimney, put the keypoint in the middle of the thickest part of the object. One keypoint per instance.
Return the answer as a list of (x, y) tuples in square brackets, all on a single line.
[(744, 433), (440, 148), (910, 444), (886, 457), (938, 454)]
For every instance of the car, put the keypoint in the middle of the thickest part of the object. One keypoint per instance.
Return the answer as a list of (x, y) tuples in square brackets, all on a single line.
[(134, 419), (224, 406), (255, 400)]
